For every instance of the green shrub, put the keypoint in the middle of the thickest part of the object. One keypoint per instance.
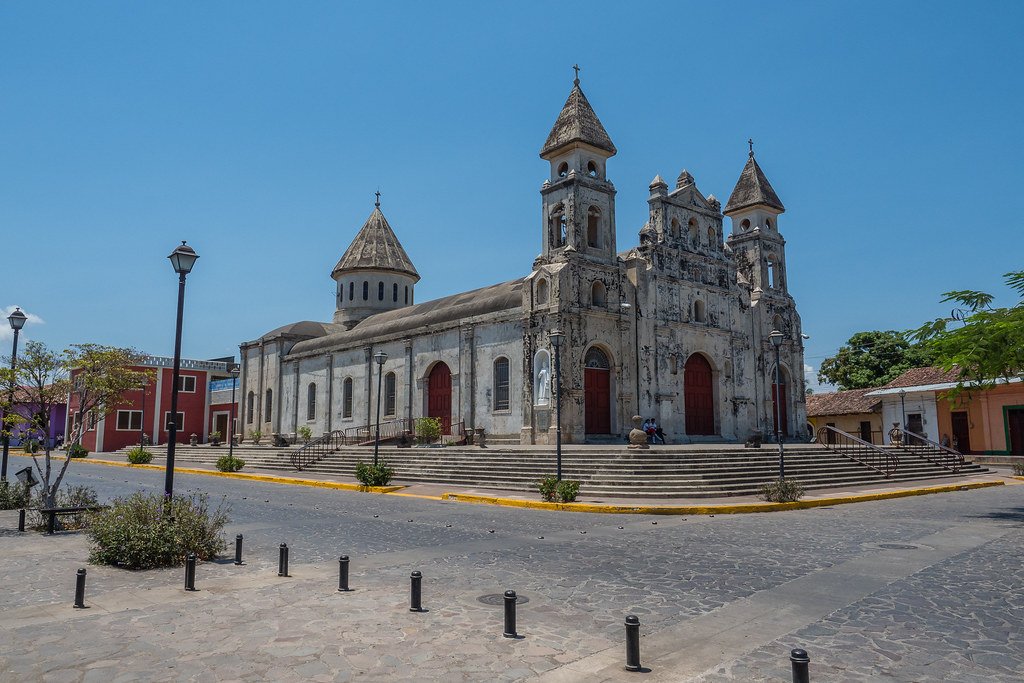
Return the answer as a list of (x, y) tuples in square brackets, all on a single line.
[(139, 456), (374, 475), (13, 495), (782, 491), (568, 490), (548, 487), (428, 429), (30, 446), (305, 433), (135, 534), (215, 437), (554, 491), (229, 463), (1018, 469), (255, 435), (77, 450)]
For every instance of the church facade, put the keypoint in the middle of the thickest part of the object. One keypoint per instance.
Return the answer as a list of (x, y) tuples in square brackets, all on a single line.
[(676, 328)]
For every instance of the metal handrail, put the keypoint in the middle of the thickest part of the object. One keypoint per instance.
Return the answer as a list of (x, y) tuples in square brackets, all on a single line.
[(921, 446), (315, 450), (858, 450), (365, 435)]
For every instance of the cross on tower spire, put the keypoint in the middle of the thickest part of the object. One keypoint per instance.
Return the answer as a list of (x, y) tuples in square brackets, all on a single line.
[(377, 203), (576, 68), (750, 141)]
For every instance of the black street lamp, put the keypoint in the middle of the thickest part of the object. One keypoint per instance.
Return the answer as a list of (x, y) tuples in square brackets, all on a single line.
[(381, 358), (903, 408), (557, 337), (182, 260), (142, 422), (235, 369), (17, 319), (776, 337)]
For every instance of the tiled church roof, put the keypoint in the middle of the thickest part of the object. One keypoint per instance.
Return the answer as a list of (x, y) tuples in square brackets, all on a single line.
[(752, 188), (376, 248), (577, 123)]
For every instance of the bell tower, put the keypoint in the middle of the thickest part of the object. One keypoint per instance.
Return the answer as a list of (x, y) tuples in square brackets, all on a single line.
[(757, 244), (578, 200)]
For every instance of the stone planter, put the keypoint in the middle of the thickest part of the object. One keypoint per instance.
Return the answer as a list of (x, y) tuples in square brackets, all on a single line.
[(637, 436)]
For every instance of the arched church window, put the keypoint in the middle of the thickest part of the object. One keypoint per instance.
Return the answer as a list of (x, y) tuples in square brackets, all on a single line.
[(593, 227), (311, 401), (390, 394), (598, 294), (592, 169), (711, 236), (674, 228), (699, 311), (768, 223), (542, 291), (366, 290), (346, 397), (394, 292), (501, 384), (745, 224), (380, 291), (351, 291), (557, 227), (563, 169), (778, 323), (596, 358), (250, 404), (268, 405), (773, 276), (694, 235)]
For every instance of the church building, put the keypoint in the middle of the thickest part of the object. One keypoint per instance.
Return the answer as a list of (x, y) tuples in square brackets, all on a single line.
[(675, 328)]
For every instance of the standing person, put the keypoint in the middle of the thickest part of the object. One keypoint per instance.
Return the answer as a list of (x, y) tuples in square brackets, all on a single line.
[(658, 431), (649, 430)]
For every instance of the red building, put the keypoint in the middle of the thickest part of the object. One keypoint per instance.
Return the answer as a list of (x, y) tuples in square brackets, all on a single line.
[(147, 411)]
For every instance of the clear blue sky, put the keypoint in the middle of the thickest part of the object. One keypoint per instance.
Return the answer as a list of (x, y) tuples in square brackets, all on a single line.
[(258, 132)]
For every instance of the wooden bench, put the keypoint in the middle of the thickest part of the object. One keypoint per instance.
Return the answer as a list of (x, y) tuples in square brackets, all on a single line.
[(51, 514)]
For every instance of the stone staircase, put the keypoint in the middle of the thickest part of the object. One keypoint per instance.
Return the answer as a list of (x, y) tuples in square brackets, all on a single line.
[(661, 472)]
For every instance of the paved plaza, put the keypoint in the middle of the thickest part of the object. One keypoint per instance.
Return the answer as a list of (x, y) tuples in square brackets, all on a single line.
[(913, 589)]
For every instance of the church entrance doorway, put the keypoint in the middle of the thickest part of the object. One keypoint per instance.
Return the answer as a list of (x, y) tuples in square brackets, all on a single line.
[(699, 396), (780, 413), (597, 392), (439, 396)]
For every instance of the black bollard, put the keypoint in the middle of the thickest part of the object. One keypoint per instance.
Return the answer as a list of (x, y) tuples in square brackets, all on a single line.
[(238, 550), (190, 572), (80, 590), (21, 519), (282, 561), (415, 592), (343, 574), (510, 615), (632, 643), (801, 666)]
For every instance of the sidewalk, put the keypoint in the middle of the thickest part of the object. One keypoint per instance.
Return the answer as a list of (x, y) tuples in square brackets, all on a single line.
[(585, 503)]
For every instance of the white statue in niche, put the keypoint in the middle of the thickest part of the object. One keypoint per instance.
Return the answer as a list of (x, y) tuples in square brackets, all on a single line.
[(542, 378)]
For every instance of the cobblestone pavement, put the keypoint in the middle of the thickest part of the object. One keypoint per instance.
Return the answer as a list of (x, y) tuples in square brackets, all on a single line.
[(914, 589)]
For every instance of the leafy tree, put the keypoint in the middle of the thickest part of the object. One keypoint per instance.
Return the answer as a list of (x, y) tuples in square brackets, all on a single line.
[(871, 359), (95, 375), (983, 343)]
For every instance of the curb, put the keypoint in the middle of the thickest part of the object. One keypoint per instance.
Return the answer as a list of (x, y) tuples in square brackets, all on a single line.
[(266, 478), (738, 508)]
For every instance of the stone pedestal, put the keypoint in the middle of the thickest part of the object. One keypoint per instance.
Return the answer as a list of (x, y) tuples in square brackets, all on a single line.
[(637, 436)]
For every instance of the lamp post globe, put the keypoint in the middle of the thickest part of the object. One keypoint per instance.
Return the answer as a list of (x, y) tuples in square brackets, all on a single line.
[(17, 320), (380, 358), (556, 337), (182, 259), (776, 338)]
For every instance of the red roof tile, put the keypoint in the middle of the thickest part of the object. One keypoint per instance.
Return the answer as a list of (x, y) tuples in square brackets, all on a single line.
[(840, 403)]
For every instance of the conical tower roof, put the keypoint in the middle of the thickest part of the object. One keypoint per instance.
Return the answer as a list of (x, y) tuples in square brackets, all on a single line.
[(751, 189), (376, 247), (577, 123)]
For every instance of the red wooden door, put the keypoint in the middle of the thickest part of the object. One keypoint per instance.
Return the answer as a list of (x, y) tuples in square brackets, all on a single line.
[(597, 394), (961, 431), (1015, 427), (779, 410), (439, 396), (698, 396)]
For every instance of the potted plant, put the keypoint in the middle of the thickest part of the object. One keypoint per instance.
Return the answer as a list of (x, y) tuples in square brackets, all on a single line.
[(256, 435), (215, 438), (305, 433)]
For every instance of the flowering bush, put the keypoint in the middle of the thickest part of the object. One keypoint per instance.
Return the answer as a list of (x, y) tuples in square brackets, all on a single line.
[(137, 533), (782, 491), (374, 475), (77, 450), (13, 496), (229, 463), (139, 456)]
